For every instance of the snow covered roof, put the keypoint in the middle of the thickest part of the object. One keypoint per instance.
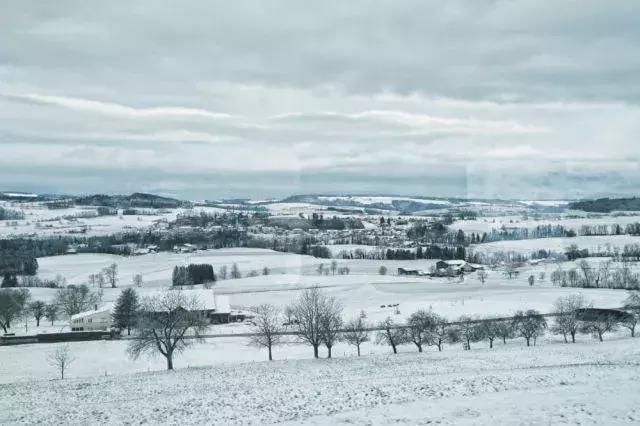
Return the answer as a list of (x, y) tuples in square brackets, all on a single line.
[(206, 297), (105, 308), (455, 262)]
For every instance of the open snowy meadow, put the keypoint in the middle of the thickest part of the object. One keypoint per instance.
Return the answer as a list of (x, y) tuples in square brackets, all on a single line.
[(552, 383)]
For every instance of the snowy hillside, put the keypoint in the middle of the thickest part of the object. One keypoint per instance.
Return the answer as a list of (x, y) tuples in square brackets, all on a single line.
[(585, 383)]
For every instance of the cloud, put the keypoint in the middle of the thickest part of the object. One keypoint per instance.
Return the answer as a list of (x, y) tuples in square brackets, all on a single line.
[(320, 96), (117, 110)]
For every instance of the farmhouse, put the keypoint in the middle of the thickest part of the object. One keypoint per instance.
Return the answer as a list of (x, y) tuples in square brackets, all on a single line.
[(96, 320), (215, 308), (457, 266)]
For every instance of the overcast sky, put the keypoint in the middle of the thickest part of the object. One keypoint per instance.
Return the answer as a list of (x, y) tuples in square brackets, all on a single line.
[(207, 99)]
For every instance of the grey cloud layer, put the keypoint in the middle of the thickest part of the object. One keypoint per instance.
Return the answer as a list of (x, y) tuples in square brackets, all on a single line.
[(207, 96)]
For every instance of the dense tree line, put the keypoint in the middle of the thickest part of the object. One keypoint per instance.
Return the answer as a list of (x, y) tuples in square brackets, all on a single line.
[(17, 257), (193, 274), (10, 214), (127, 201), (518, 233), (318, 221), (600, 275), (607, 205)]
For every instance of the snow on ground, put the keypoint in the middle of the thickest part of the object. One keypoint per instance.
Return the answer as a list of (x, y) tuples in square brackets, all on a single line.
[(46, 222), (552, 383), (385, 200), (363, 289), (486, 224), (593, 244)]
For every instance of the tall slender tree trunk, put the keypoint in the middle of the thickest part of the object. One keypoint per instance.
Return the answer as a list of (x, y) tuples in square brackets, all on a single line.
[(328, 351), (565, 337), (358, 346), (419, 347), (270, 356), (395, 350), (37, 322), (528, 341), (573, 337), (315, 351), (600, 336), (439, 346), (490, 343)]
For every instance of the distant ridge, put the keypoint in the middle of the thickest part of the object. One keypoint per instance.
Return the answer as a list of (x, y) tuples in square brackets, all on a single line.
[(137, 199)]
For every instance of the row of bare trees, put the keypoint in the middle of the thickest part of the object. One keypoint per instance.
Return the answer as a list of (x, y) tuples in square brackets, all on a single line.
[(170, 323), (315, 319), (601, 275)]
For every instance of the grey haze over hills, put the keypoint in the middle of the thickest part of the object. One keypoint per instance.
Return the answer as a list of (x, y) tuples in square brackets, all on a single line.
[(483, 99)]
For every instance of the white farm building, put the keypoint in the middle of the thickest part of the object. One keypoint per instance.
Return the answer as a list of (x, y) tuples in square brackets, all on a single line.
[(96, 320)]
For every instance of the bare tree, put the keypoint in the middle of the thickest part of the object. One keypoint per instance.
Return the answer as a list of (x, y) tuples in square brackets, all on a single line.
[(266, 271), (93, 280), (320, 269), (12, 304), (489, 330), (168, 324), (101, 280), (60, 359), (391, 335), (469, 331), (504, 330), (330, 323), (111, 274), (442, 332), (356, 333), (223, 272), (556, 276), (289, 315), (51, 312), (235, 272), (420, 324), (529, 324), (267, 324), (482, 275), (531, 280), (599, 323), (632, 306), (137, 280), (566, 321), (308, 311), (334, 267), (75, 299), (37, 309)]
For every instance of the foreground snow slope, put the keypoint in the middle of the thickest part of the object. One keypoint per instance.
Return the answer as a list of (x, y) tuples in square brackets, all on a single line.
[(586, 383)]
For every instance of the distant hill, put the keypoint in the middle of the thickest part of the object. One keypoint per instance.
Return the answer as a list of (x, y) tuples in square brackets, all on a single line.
[(607, 205), (138, 199)]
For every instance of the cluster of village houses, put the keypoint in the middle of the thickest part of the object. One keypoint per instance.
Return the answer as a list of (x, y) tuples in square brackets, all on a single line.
[(444, 268)]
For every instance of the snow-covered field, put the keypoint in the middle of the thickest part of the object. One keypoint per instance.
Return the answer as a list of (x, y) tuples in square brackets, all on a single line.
[(593, 244), (486, 224), (42, 221), (552, 383), (363, 289), (385, 200)]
